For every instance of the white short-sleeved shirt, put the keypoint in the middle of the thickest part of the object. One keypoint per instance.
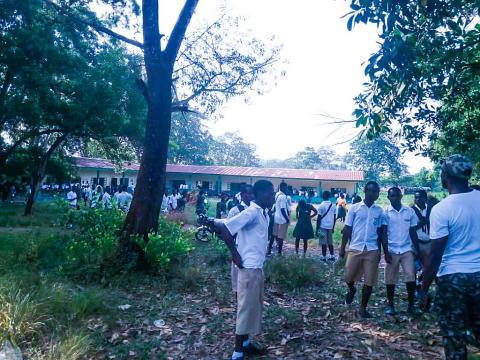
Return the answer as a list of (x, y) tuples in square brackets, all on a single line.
[(329, 219), (172, 202), (123, 199), (251, 227), (234, 211), (364, 221), (280, 203), (422, 233), (399, 224), (289, 205), (72, 198), (106, 200), (458, 217)]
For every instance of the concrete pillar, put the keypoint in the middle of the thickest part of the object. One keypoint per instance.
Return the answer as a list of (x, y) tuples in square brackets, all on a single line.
[(319, 189), (98, 176), (219, 185)]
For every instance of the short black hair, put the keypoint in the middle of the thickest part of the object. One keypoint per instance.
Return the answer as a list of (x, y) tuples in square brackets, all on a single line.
[(374, 183), (421, 192), (246, 188), (283, 184), (326, 195), (395, 189), (124, 188), (261, 186)]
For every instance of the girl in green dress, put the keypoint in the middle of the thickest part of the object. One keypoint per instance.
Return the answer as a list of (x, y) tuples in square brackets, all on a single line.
[(304, 229)]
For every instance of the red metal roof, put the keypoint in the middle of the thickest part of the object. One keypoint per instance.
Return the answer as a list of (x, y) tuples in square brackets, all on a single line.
[(304, 174)]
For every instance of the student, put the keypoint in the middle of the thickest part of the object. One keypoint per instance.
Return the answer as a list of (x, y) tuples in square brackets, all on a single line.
[(454, 259), (281, 219), (341, 208), (304, 229), (72, 198), (221, 210), (423, 225), (364, 226), (248, 253), (123, 198), (164, 207), (326, 223), (246, 196), (173, 200), (201, 201), (401, 223), (107, 198), (96, 196)]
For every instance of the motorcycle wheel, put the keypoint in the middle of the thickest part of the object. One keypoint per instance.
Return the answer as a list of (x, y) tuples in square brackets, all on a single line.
[(202, 235)]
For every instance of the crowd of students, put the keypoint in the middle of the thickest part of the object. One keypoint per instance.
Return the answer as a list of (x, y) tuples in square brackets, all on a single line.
[(442, 240), (96, 196)]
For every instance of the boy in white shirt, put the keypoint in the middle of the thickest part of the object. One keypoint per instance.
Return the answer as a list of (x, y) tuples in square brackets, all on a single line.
[(72, 198), (326, 223), (248, 250), (281, 219), (401, 234), (363, 226), (454, 260)]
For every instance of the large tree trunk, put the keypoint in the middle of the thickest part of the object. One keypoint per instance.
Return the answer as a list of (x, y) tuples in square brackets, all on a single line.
[(143, 215), (39, 173)]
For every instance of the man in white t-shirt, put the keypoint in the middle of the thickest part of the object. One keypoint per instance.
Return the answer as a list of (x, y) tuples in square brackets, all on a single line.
[(455, 259), (281, 219), (401, 234), (326, 225), (72, 198), (248, 250)]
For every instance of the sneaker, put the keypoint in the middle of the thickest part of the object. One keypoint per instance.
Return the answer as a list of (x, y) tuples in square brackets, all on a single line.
[(252, 349), (350, 296), (390, 311), (332, 258), (323, 258)]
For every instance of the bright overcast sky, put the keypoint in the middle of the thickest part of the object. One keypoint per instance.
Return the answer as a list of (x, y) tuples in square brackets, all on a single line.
[(323, 73)]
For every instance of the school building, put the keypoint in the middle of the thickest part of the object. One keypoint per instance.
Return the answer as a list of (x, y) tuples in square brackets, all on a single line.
[(216, 179)]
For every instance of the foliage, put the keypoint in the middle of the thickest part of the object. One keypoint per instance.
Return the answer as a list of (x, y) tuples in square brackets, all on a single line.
[(95, 239), (292, 273), (171, 244), (231, 150), (377, 157), (425, 75), (309, 158)]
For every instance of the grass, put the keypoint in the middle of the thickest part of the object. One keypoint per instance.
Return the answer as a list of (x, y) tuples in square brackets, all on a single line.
[(189, 314)]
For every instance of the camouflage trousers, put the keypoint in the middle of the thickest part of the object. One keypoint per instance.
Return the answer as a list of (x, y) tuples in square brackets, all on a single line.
[(458, 310)]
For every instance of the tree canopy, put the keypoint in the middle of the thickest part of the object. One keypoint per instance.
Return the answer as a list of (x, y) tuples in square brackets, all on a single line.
[(424, 79)]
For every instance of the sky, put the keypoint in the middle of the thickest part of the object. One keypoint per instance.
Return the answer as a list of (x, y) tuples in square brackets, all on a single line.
[(324, 72)]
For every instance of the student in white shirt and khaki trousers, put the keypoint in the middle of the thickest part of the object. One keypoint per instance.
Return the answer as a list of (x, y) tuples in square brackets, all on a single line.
[(249, 250)]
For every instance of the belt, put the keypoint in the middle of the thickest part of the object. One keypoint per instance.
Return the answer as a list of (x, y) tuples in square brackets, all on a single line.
[(424, 241)]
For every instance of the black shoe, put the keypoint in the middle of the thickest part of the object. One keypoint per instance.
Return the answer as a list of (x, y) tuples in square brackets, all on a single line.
[(365, 314), (413, 311), (350, 296), (252, 349)]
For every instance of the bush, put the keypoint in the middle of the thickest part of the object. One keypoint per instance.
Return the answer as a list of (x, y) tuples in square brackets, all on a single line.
[(170, 245), (95, 239), (291, 273)]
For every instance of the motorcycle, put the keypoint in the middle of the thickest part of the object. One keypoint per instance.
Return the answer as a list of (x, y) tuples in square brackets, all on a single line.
[(206, 229)]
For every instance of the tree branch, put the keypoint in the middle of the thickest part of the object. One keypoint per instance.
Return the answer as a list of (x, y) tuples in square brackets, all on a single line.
[(179, 30), (96, 25)]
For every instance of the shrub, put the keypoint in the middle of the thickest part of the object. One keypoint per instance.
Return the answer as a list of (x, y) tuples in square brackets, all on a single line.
[(292, 273), (71, 347), (94, 240), (171, 244)]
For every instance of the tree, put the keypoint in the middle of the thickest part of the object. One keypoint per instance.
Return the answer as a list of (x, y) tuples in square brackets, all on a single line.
[(189, 140), (307, 159), (66, 89), (230, 72), (379, 157), (231, 150), (425, 75)]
